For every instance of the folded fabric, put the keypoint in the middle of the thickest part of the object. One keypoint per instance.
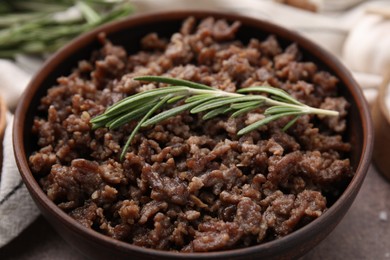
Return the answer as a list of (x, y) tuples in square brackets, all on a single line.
[(17, 209), (13, 80)]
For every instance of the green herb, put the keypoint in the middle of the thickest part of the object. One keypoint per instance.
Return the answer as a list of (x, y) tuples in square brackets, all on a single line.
[(201, 98), (43, 26)]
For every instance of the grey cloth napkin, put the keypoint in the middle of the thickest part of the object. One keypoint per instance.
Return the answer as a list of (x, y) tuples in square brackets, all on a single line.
[(17, 209)]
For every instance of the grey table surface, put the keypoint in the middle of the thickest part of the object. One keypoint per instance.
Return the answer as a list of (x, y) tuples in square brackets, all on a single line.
[(364, 233)]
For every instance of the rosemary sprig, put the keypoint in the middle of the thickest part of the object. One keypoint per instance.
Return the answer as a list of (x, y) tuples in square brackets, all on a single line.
[(42, 26), (199, 98)]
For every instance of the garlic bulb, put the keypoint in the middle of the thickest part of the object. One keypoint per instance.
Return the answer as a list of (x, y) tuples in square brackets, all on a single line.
[(340, 5), (367, 47)]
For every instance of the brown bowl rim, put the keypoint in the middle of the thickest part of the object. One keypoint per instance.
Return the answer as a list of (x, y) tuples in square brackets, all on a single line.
[(138, 20)]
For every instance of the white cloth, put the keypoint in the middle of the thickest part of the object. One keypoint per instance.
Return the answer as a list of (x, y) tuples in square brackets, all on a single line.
[(13, 82), (17, 210)]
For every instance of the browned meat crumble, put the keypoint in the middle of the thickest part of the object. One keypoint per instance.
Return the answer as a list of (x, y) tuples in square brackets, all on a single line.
[(186, 184)]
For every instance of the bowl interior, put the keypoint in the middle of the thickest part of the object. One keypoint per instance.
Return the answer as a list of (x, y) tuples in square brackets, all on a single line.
[(128, 34), (166, 25)]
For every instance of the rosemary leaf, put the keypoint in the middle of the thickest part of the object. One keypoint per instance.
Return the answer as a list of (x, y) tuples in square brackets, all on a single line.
[(244, 110), (90, 15), (127, 99), (127, 117), (280, 109), (289, 124), (173, 81), (100, 118), (273, 91), (138, 126), (221, 102), (246, 104), (98, 125), (264, 121), (215, 112), (198, 97), (143, 98), (171, 112), (175, 99)]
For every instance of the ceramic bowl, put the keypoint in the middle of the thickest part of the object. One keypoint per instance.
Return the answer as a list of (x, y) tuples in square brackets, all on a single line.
[(128, 32)]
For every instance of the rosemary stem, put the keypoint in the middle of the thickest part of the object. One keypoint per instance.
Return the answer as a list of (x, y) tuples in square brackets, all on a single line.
[(305, 109), (268, 101), (216, 93), (319, 111)]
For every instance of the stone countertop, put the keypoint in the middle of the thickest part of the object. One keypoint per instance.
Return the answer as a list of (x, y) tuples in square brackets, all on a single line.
[(364, 233)]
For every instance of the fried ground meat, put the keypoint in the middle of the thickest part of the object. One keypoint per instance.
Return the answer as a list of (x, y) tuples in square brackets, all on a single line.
[(186, 184)]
